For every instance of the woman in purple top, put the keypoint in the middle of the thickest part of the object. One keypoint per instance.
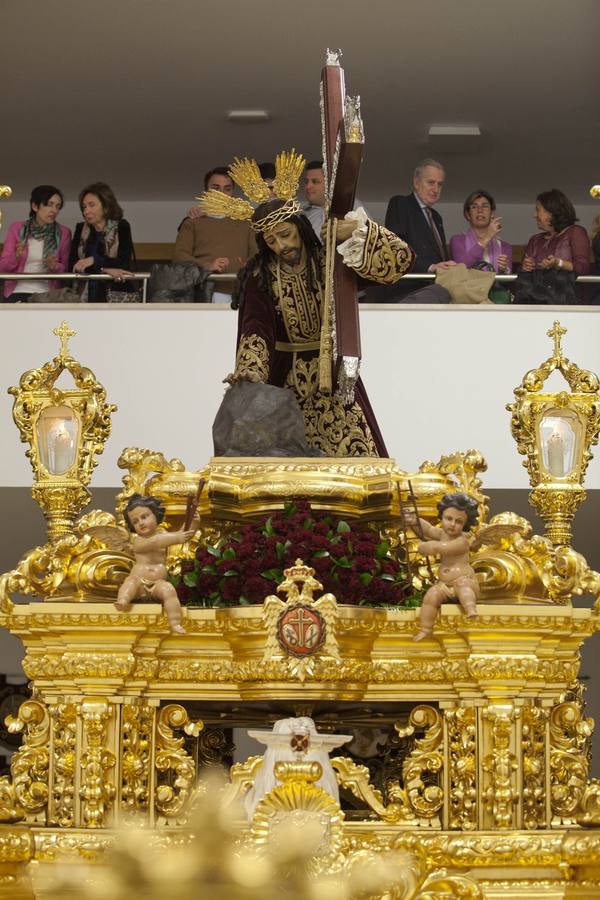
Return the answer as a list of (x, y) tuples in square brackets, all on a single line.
[(562, 244), (480, 247)]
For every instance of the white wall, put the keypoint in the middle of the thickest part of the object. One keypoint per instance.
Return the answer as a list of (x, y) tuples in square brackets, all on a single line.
[(437, 378)]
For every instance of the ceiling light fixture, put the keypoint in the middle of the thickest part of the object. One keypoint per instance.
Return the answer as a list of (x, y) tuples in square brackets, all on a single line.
[(454, 131), (248, 115)]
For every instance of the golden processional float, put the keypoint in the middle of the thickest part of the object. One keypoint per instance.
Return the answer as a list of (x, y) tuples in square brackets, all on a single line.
[(476, 783)]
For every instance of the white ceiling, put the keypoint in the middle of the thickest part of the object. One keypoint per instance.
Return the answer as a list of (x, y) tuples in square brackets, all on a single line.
[(135, 92)]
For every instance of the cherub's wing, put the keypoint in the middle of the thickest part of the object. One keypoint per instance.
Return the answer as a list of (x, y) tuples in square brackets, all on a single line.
[(491, 534), (113, 536)]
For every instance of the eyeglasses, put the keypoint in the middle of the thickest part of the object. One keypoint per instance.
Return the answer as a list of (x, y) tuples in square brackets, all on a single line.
[(480, 206)]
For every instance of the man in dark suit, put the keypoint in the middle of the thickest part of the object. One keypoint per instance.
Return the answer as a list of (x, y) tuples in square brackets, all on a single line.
[(414, 219)]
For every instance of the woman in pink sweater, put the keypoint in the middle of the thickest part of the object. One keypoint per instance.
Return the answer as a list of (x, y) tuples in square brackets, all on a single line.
[(37, 245)]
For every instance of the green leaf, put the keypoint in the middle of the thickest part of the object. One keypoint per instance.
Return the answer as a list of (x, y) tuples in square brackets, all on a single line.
[(190, 579), (342, 527), (272, 575), (243, 601), (280, 550), (229, 553), (308, 525), (319, 554), (289, 509), (382, 549), (268, 529), (386, 577), (366, 578), (343, 562), (214, 551), (230, 573), (209, 569)]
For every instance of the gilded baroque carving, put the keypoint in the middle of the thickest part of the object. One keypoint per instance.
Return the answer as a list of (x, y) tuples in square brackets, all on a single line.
[(176, 770), (137, 726), (78, 664), (534, 739), (461, 725), (499, 790), (97, 762), (570, 747), (299, 586), (61, 808), (425, 759), (463, 468), (25, 794)]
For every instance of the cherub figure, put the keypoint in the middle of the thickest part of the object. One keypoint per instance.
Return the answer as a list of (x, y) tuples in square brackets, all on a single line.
[(458, 513), (148, 577)]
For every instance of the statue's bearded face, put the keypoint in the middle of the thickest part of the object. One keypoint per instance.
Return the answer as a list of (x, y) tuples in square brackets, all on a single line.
[(285, 242)]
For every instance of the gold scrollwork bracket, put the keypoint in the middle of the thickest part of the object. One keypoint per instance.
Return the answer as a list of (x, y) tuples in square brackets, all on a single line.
[(463, 467), (24, 795), (146, 471), (173, 758)]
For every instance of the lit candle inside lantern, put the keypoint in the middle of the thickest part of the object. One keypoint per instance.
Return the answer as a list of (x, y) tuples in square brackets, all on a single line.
[(556, 454), (61, 450)]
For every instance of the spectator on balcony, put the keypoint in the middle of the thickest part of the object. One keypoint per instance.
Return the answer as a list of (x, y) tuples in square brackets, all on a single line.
[(561, 244), (37, 245), (480, 247), (314, 194), (215, 243), (102, 244), (414, 219), (556, 256)]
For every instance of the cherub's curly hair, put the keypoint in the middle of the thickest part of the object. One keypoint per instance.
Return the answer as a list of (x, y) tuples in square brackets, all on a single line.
[(153, 504), (463, 503)]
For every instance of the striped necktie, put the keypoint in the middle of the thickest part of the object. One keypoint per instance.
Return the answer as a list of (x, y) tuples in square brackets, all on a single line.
[(436, 233)]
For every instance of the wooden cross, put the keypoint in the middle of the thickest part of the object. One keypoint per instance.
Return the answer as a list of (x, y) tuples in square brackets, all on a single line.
[(64, 333), (556, 332), (343, 140)]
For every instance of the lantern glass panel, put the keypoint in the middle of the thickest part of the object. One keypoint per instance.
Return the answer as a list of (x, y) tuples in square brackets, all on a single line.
[(560, 440), (57, 438)]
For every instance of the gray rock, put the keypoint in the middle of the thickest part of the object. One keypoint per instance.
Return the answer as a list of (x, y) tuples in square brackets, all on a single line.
[(258, 419)]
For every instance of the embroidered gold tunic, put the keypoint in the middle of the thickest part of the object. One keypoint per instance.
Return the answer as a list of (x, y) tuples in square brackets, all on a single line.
[(279, 341)]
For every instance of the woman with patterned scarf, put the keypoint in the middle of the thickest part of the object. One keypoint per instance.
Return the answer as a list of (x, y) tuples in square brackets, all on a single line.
[(102, 244), (37, 245)]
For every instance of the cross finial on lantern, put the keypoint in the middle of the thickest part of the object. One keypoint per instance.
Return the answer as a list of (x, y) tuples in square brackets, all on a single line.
[(556, 333), (64, 333)]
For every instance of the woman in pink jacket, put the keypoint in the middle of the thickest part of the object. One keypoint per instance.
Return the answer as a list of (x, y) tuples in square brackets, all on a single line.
[(37, 245)]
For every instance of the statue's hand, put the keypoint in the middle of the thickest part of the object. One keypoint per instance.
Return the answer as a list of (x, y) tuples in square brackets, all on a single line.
[(345, 228)]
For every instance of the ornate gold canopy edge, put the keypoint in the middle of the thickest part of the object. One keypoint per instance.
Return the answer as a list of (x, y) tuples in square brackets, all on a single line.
[(518, 567)]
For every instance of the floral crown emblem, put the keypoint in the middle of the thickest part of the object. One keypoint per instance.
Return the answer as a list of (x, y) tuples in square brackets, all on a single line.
[(246, 174)]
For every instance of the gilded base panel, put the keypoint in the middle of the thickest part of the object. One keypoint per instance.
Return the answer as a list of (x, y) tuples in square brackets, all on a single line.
[(558, 864)]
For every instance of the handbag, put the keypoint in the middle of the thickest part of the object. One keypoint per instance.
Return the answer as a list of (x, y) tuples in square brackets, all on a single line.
[(546, 287), (466, 285), (175, 281), (125, 293), (127, 296), (498, 292), (56, 295)]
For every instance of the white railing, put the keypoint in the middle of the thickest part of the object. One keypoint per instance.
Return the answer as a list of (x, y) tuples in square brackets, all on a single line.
[(73, 276), (216, 279)]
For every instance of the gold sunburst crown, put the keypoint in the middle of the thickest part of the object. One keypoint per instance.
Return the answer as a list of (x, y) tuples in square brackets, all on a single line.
[(246, 174)]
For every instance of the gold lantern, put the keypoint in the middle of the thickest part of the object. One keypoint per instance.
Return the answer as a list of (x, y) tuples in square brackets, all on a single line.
[(65, 430), (5, 191), (555, 432)]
